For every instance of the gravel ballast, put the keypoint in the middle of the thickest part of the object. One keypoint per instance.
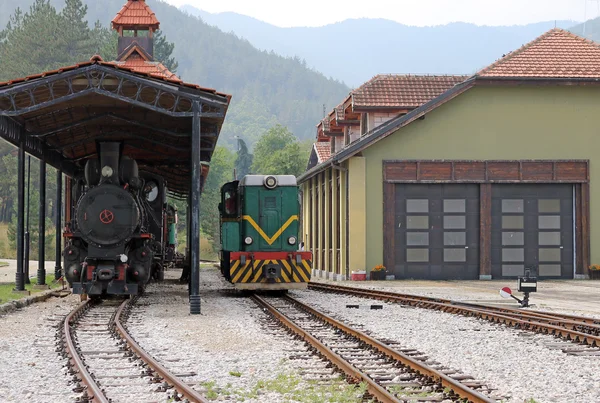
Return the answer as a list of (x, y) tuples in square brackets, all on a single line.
[(30, 368), (232, 348), (520, 365)]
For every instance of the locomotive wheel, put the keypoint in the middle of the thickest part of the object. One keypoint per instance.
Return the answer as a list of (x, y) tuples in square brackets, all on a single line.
[(225, 266), (159, 273)]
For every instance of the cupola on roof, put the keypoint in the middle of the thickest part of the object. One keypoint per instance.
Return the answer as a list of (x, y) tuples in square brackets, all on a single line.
[(136, 13)]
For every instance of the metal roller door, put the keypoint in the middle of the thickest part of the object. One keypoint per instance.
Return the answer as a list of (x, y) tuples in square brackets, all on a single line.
[(532, 227), (436, 231)]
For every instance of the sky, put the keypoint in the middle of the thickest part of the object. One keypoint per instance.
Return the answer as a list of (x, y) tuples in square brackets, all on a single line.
[(286, 13)]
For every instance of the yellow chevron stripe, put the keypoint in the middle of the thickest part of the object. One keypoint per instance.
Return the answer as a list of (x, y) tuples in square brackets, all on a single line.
[(234, 267), (302, 273), (283, 274), (272, 239), (247, 276), (287, 266), (306, 265), (258, 273), (239, 273)]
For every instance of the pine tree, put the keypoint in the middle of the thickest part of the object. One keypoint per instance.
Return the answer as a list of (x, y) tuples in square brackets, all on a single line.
[(163, 50), (243, 162)]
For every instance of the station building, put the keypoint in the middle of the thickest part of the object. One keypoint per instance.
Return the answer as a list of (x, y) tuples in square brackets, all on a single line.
[(488, 177)]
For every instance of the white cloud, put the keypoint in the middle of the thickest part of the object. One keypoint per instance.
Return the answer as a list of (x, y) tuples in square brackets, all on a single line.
[(410, 12)]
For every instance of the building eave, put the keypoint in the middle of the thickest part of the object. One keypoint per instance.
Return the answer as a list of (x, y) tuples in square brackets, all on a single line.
[(388, 128)]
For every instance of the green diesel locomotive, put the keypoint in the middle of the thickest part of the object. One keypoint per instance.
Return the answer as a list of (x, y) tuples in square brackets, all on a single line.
[(259, 234)]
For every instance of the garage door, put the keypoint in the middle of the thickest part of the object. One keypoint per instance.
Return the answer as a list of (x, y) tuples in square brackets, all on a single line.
[(436, 231), (532, 227)]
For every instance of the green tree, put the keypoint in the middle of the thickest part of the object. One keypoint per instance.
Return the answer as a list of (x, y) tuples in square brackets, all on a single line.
[(163, 50), (221, 171), (42, 39), (243, 161), (278, 152)]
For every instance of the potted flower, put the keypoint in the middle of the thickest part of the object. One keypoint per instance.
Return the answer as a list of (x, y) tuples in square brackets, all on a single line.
[(595, 271), (378, 272)]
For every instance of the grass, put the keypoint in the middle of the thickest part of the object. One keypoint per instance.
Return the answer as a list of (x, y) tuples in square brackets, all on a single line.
[(7, 295), (4, 251), (3, 264), (291, 387)]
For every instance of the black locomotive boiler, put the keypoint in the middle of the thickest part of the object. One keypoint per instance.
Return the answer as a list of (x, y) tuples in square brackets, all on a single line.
[(116, 237)]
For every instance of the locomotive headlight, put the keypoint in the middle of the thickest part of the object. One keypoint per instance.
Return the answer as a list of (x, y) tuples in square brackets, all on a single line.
[(292, 240), (270, 182), (248, 240), (107, 171)]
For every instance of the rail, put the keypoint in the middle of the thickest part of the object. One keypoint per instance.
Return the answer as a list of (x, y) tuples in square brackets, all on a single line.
[(374, 389)]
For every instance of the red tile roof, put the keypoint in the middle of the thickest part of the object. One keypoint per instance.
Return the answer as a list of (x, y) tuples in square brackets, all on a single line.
[(136, 12), (138, 64), (98, 60), (401, 91), (555, 54), (323, 150)]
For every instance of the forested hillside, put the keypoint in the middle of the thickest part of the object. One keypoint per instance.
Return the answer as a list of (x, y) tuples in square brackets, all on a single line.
[(590, 29), (267, 89)]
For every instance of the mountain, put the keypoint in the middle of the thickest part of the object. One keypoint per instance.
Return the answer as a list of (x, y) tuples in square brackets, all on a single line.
[(267, 88), (589, 29), (357, 49)]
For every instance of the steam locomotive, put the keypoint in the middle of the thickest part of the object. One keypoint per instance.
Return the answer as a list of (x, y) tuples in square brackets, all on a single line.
[(122, 232)]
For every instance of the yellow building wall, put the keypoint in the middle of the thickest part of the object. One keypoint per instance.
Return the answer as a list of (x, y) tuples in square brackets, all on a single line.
[(357, 206), (326, 220), (335, 236), (485, 123), (343, 220)]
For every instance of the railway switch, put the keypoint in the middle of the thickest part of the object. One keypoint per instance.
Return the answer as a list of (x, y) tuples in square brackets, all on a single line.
[(525, 284)]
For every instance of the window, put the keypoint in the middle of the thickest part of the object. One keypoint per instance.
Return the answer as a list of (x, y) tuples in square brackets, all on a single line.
[(513, 255), (549, 222), (549, 238), (417, 238), (549, 206), (512, 206), (455, 238), (417, 255), (230, 203), (417, 206), (454, 206), (455, 255), (513, 238), (512, 222), (454, 222), (417, 222)]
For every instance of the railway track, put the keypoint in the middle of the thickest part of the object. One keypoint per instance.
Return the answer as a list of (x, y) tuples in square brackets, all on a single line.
[(569, 327), (109, 365), (391, 374)]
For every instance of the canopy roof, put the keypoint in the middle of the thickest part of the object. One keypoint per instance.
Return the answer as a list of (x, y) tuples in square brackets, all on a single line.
[(59, 115)]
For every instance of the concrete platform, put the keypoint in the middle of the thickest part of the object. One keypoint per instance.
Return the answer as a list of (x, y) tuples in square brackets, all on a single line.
[(7, 273), (577, 297)]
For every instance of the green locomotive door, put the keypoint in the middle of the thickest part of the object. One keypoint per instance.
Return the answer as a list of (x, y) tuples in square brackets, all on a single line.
[(270, 220)]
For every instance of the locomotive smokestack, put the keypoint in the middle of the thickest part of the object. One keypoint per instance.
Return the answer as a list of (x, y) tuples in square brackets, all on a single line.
[(110, 153)]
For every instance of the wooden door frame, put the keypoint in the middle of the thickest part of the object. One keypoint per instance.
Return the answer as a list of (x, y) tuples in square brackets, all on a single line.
[(486, 173)]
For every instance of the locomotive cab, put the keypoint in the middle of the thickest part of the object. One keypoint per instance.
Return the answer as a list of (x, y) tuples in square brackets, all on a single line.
[(259, 234)]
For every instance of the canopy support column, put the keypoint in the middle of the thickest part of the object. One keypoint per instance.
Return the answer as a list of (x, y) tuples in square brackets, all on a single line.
[(41, 273), (195, 213), (58, 268), (20, 277), (27, 234)]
